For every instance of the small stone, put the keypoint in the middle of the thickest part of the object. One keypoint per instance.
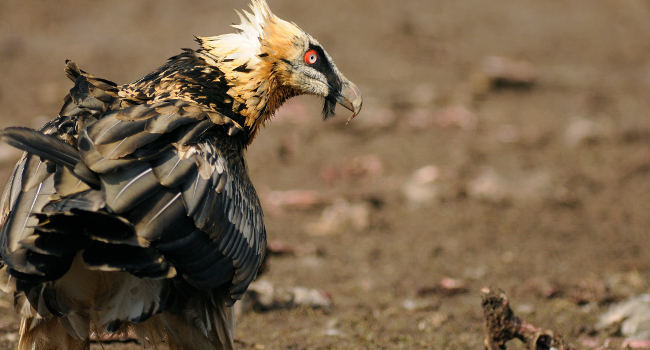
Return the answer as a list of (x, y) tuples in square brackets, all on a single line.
[(333, 332), (447, 287), (262, 295), (489, 186), (342, 216), (421, 187), (313, 298), (581, 130), (417, 305), (279, 201), (426, 175), (503, 72), (631, 317), (492, 186)]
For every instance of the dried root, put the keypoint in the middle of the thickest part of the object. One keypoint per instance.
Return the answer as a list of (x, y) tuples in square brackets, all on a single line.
[(501, 325)]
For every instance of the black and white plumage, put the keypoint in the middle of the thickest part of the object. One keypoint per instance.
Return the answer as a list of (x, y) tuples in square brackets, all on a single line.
[(133, 208)]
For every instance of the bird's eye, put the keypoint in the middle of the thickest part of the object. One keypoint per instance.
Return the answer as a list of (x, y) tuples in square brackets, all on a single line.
[(311, 57)]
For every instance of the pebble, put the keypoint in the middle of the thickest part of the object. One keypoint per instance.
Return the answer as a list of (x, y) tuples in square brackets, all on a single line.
[(421, 187), (580, 131), (262, 295), (489, 185), (503, 72), (342, 216), (279, 201), (631, 317), (492, 186)]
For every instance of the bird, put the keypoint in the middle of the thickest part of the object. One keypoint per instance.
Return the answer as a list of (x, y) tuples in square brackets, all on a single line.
[(132, 210)]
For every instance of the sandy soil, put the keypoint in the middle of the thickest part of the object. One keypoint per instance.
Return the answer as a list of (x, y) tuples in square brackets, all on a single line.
[(541, 191)]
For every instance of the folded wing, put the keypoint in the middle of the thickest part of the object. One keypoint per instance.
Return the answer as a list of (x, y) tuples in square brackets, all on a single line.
[(158, 190)]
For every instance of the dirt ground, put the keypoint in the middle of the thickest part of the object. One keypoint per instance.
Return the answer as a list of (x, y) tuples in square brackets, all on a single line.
[(445, 178)]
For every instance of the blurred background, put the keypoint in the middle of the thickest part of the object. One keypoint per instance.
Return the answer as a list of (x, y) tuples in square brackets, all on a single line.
[(502, 143)]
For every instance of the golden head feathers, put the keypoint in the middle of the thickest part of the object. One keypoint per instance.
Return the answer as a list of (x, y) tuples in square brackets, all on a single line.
[(247, 59), (259, 31), (249, 74)]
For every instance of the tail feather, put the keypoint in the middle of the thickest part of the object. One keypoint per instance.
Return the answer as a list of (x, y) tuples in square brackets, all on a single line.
[(202, 325), (49, 148), (224, 324), (45, 146)]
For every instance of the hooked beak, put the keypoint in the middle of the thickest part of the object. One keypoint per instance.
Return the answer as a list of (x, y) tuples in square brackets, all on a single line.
[(350, 98)]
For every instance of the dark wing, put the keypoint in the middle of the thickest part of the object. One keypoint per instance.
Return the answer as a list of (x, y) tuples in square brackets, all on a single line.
[(173, 171), (35, 180), (174, 198)]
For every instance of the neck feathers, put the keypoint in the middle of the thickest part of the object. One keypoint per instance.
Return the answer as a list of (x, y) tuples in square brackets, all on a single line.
[(235, 74), (249, 94), (253, 83)]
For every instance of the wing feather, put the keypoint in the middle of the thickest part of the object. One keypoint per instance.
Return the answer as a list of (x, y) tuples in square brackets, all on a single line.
[(163, 219), (173, 200), (127, 188), (172, 171)]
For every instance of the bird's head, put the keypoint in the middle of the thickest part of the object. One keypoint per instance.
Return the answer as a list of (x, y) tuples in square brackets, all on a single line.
[(270, 60)]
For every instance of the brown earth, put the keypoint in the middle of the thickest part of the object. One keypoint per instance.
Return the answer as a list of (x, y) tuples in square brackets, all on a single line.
[(542, 190)]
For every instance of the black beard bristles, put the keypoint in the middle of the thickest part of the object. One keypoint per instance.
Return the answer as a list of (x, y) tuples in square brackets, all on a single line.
[(329, 105)]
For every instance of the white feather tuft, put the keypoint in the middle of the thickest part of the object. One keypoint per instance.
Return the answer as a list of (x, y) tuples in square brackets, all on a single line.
[(246, 43)]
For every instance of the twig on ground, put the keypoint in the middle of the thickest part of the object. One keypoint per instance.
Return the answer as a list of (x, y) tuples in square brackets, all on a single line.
[(501, 325)]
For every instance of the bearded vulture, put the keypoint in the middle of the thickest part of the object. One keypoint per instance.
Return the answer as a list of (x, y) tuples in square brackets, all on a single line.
[(132, 210)]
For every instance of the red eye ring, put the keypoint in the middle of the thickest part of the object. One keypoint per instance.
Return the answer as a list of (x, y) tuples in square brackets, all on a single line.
[(311, 57)]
